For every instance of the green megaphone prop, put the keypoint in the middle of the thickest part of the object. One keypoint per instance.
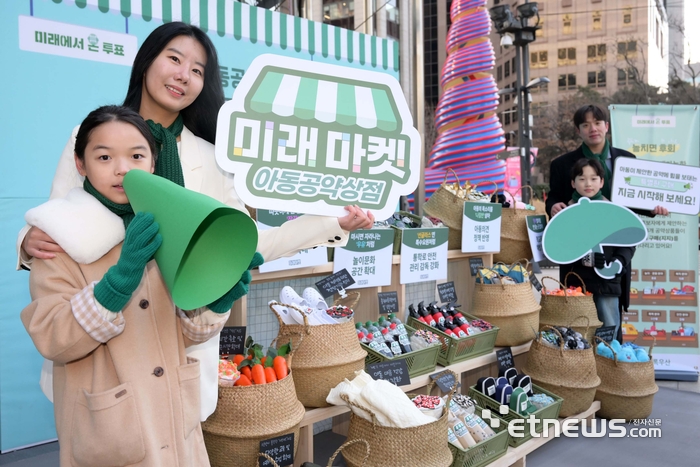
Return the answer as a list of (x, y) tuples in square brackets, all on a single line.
[(206, 245)]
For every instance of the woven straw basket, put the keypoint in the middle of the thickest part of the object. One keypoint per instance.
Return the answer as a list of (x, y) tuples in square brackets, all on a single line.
[(515, 242), (510, 307), (570, 374), (246, 415), (626, 388), (327, 355), (563, 311), (424, 446), (335, 454)]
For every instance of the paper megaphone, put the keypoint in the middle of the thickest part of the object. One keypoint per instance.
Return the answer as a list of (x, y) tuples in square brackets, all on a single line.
[(206, 245)]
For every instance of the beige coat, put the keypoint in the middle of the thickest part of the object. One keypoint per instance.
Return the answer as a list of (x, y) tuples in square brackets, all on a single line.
[(133, 400)]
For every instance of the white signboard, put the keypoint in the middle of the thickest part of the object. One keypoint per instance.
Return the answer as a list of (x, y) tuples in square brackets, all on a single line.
[(367, 257), (535, 231), (481, 228), (423, 255), (645, 184)]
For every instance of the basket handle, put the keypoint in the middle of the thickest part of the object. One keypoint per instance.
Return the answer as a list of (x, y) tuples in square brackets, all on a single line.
[(452, 392), (307, 327), (355, 293), (346, 398), (532, 193), (262, 454), (561, 338), (444, 180), (583, 284), (348, 443), (566, 294), (294, 348), (588, 321), (596, 338), (495, 188), (520, 262), (651, 349)]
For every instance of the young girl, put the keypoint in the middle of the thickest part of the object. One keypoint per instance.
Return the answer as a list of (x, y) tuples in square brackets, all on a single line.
[(125, 393), (587, 178)]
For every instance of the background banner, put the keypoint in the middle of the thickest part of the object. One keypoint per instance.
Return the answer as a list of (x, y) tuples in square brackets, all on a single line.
[(69, 57), (664, 299)]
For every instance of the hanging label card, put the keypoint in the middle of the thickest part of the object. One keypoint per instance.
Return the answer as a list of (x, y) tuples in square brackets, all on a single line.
[(231, 340), (475, 264), (535, 282), (367, 257), (394, 371), (505, 360), (423, 255), (334, 283), (535, 231), (281, 449), (481, 228), (305, 258), (445, 380), (607, 333), (447, 292), (388, 302)]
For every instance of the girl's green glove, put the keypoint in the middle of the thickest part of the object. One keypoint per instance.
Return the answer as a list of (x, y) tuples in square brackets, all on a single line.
[(225, 303)]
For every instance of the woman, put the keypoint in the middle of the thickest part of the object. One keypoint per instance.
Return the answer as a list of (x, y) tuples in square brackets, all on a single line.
[(175, 86)]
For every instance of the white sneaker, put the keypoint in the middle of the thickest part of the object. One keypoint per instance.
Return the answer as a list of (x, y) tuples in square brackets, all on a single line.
[(286, 314), (315, 299), (289, 296)]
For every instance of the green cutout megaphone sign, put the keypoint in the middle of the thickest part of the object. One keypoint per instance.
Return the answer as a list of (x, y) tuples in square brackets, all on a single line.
[(588, 226)]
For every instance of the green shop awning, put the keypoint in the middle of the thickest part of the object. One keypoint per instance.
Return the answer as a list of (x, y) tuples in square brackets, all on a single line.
[(307, 98), (244, 22)]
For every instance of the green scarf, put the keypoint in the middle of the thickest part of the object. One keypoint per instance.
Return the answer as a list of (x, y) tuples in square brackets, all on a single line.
[(597, 197), (122, 210), (602, 158), (168, 164)]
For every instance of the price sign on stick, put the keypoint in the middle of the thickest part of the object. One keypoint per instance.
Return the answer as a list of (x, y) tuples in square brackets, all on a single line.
[(505, 360), (607, 333), (335, 283), (475, 264), (388, 302), (232, 340), (395, 372), (445, 380), (447, 292), (281, 449)]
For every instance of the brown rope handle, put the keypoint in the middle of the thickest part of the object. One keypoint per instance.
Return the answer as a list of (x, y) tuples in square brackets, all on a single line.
[(346, 398), (651, 349), (307, 326), (444, 180), (495, 191), (354, 303), (583, 284), (532, 193), (262, 454), (596, 338), (349, 443), (544, 288), (293, 347), (588, 322), (561, 338)]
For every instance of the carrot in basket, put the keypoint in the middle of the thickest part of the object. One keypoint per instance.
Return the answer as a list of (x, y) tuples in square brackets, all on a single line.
[(280, 366), (258, 374), (270, 376)]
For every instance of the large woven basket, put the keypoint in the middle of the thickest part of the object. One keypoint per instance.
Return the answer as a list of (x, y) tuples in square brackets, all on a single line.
[(563, 311), (626, 389), (570, 374), (246, 415), (515, 242), (332, 458), (327, 355), (512, 308), (424, 446)]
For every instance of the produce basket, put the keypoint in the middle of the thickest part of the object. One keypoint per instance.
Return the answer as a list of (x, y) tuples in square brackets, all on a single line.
[(328, 354), (626, 389), (398, 233), (419, 362), (484, 452), (456, 350), (550, 412), (515, 241), (562, 311)]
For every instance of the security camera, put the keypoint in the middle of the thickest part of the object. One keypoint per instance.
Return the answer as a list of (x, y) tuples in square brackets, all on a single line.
[(506, 40)]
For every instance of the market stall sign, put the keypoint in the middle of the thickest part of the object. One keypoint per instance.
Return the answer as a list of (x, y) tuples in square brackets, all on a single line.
[(505, 360), (423, 255), (394, 371), (281, 449), (335, 283), (481, 228), (607, 333), (446, 292), (475, 264), (231, 340), (445, 380), (268, 219), (535, 231), (314, 137), (642, 184), (367, 256), (388, 302)]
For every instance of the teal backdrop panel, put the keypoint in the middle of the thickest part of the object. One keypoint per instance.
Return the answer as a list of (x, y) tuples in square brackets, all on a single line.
[(48, 93)]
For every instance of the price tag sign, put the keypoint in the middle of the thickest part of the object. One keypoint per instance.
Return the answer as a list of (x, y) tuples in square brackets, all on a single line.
[(535, 231), (481, 228), (447, 292), (396, 371), (607, 333), (305, 258), (475, 264), (423, 255), (281, 449), (367, 257), (535, 282), (231, 340), (334, 283), (388, 302), (445, 380), (505, 360)]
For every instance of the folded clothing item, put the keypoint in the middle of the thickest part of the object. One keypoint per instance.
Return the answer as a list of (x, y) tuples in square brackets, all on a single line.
[(541, 400)]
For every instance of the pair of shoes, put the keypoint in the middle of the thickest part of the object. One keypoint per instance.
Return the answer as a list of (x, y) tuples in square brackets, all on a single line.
[(311, 303)]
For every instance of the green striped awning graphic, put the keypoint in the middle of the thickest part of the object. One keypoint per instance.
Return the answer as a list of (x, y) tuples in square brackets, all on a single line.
[(306, 98), (245, 22)]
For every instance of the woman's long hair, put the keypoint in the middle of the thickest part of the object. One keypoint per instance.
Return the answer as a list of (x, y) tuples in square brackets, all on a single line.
[(200, 116)]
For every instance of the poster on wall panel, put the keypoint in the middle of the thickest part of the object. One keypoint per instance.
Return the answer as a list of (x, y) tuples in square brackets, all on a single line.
[(664, 293), (68, 58)]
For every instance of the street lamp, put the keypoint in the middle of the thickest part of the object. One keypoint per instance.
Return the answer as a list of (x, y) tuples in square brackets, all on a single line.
[(516, 30)]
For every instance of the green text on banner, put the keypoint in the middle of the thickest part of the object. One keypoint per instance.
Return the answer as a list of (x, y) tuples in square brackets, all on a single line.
[(423, 255), (481, 228), (367, 257)]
